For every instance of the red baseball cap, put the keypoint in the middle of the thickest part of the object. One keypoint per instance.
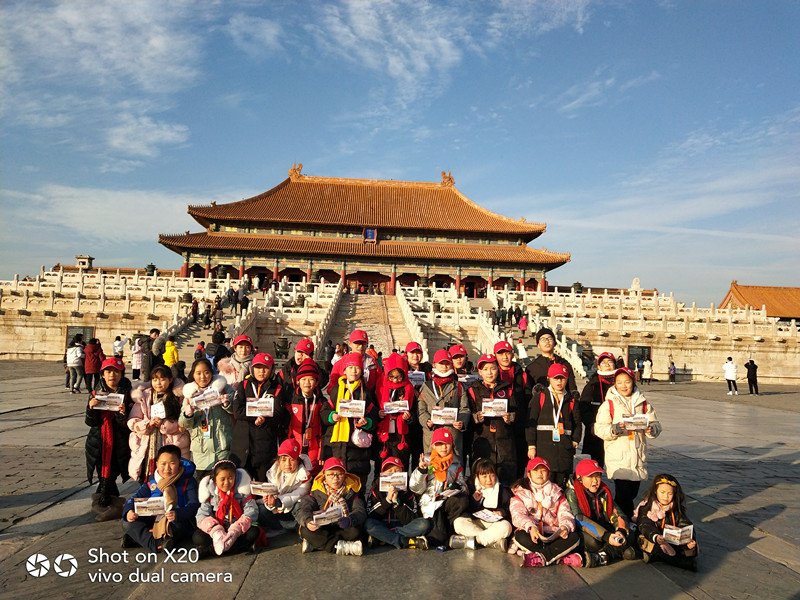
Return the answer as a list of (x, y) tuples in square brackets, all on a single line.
[(113, 363), (503, 347), (537, 462), (359, 335), (243, 339), (442, 356), (605, 355), (392, 461), (627, 372), (263, 359), (458, 350), (333, 463), (289, 448), (557, 370), (306, 346), (413, 347), (486, 358), (442, 436), (588, 467)]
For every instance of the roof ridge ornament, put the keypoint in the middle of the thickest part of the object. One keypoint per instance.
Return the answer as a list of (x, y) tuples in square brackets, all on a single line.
[(447, 179), (295, 171)]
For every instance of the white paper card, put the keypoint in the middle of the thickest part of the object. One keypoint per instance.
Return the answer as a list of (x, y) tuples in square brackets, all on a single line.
[(158, 411), (495, 408), (636, 422), (150, 507), (444, 416), (487, 516), (468, 379), (352, 408), (331, 515), (208, 399), (393, 408), (397, 480), (678, 535), (417, 378), (259, 488), (260, 407), (110, 402)]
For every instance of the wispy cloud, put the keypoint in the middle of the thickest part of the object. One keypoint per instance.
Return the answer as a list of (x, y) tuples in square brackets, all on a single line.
[(255, 36), (640, 81), (142, 136)]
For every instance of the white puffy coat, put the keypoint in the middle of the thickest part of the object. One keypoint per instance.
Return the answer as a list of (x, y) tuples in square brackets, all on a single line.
[(625, 458)]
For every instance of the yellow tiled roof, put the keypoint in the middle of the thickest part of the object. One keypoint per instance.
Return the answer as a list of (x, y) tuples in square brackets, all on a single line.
[(782, 302)]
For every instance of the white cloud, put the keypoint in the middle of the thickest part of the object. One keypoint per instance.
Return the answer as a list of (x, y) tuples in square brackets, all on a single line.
[(523, 18), (640, 81), (141, 136), (255, 36)]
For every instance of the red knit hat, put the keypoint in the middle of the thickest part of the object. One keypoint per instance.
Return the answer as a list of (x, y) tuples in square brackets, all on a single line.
[(307, 368), (289, 448)]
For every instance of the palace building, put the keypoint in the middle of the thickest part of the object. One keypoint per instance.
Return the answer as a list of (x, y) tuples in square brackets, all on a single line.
[(367, 231)]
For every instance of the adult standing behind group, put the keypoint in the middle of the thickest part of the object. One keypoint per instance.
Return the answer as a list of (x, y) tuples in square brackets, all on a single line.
[(92, 361), (73, 361), (537, 369), (731, 370), (152, 352)]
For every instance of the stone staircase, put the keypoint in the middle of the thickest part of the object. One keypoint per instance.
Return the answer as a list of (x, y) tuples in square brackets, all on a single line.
[(379, 316)]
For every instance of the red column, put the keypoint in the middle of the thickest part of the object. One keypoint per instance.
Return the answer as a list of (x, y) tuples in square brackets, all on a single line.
[(275, 273), (184, 270), (208, 270), (458, 283), (392, 284), (491, 281), (543, 284), (343, 277), (308, 275), (241, 271)]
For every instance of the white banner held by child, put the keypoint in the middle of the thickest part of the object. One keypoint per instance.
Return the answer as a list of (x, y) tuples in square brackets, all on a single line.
[(352, 408), (495, 408), (329, 516), (444, 416), (260, 407), (397, 480), (150, 507), (110, 402), (258, 488), (393, 408)]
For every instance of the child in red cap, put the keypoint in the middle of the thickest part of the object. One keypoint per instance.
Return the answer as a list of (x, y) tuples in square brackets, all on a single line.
[(443, 390), (334, 488), (349, 438), (303, 406), (255, 436), (439, 480), (545, 526), (107, 450), (237, 366), (393, 516), (554, 425), (292, 474), (493, 436), (602, 525)]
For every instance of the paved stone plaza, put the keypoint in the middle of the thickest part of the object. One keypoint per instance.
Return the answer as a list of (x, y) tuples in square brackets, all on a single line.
[(736, 457)]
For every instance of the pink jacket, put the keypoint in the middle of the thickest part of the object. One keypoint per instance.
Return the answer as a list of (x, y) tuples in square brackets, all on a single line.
[(139, 439), (545, 504)]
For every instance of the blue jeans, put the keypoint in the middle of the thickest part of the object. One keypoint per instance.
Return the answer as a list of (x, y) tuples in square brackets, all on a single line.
[(399, 534)]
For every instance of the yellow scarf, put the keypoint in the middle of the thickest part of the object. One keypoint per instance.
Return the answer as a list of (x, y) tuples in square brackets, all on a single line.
[(341, 431)]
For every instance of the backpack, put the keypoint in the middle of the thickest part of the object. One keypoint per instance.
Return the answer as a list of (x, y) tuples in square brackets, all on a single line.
[(198, 354), (571, 402)]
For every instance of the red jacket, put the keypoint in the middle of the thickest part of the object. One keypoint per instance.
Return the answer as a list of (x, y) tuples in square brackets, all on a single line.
[(94, 358)]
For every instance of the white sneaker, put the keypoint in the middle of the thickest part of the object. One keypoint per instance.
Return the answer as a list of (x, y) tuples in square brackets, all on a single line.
[(344, 548), (306, 547), (730, 393), (735, 393)]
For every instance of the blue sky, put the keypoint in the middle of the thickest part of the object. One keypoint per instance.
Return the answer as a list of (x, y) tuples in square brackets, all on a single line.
[(657, 140)]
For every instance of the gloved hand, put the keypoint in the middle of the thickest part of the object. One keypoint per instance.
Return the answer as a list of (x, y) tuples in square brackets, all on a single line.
[(344, 522), (617, 429)]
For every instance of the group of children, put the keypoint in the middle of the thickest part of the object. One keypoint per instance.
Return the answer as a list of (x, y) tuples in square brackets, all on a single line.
[(240, 451)]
